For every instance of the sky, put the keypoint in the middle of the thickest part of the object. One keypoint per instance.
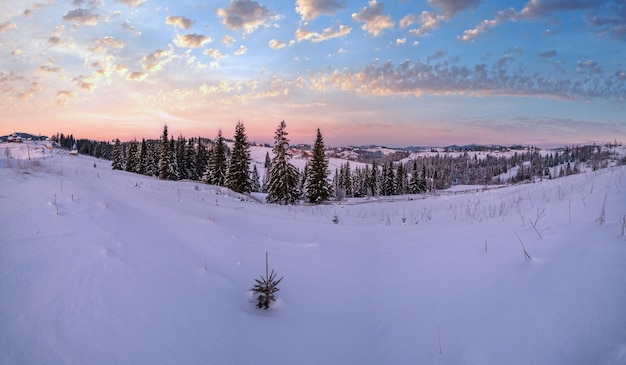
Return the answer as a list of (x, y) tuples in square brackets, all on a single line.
[(394, 73)]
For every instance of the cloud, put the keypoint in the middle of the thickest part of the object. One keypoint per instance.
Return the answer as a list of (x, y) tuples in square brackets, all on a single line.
[(547, 54), (586, 82), (609, 18), (247, 15), (536, 8), (408, 20), (588, 66), (214, 53), (7, 26), (109, 41), (274, 44), (55, 41), (241, 51), (129, 27), (311, 9), (180, 21), (82, 17), (33, 88), (486, 25), (191, 40), (131, 3), (374, 18), (156, 60), (30, 11), (63, 96), (136, 76), (606, 17), (429, 20), (328, 33), (228, 40), (49, 69), (452, 7)]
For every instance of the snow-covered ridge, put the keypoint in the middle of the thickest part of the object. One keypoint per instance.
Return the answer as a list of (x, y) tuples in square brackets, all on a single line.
[(100, 266)]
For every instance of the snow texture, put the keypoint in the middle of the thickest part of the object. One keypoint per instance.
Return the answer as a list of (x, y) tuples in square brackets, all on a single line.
[(108, 267)]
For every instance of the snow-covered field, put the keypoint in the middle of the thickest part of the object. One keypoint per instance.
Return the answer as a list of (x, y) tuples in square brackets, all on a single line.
[(106, 267)]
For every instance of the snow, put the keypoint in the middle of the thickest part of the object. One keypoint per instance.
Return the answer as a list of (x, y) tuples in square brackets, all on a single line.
[(100, 266)]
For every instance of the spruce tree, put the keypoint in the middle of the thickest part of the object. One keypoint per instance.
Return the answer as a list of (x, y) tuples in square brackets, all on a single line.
[(153, 151), (414, 187), (201, 158), (423, 185), (401, 179), (282, 184), (164, 155), (373, 184), (238, 173), (389, 180), (317, 187), (215, 173), (181, 160), (144, 162), (132, 164), (173, 171), (190, 160), (302, 180), (268, 161), (255, 180), (117, 157)]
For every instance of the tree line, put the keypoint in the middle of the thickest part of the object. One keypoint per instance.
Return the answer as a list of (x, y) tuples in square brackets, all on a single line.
[(213, 162)]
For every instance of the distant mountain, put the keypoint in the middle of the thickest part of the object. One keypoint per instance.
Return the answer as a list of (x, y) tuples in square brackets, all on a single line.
[(24, 136)]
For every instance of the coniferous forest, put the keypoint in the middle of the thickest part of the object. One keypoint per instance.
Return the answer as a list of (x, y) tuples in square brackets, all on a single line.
[(214, 162)]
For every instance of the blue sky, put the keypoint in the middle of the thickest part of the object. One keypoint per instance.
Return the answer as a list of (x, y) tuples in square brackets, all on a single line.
[(543, 72)]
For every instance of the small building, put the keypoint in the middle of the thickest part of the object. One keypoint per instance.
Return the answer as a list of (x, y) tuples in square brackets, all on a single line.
[(14, 138)]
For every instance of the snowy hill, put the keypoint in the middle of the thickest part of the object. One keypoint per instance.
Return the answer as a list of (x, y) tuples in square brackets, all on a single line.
[(106, 267)]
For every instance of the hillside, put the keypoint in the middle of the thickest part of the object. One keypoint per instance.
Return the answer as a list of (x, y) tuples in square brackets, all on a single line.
[(107, 267)]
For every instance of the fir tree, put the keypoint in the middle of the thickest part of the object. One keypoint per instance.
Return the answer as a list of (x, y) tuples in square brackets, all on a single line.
[(255, 180), (117, 157), (153, 151), (173, 169), (268, 161), (201, 158), (144, 162), (132, 163), (190, 161), (303, 179), (423, 185), (401, 179), (181, 160), (317, 187), (282, 184), (389, 181), (164, 155), (215, 173), (238, 173), (373, 184)]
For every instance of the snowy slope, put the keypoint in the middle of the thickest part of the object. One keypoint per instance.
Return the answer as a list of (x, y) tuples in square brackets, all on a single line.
[(107, 267)]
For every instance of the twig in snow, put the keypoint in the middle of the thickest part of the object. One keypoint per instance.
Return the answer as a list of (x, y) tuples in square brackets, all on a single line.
[(439, 338), (534, 224), (527, 257), (602, 216)]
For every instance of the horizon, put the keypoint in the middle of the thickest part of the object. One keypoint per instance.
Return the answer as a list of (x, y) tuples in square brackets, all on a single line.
[(430, 72), (253, 142)]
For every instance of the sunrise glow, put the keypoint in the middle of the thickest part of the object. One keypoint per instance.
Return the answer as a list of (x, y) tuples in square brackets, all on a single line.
[(396, 73)]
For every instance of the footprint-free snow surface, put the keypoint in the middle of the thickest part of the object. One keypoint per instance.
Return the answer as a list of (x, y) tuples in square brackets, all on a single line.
[(107, 267)]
